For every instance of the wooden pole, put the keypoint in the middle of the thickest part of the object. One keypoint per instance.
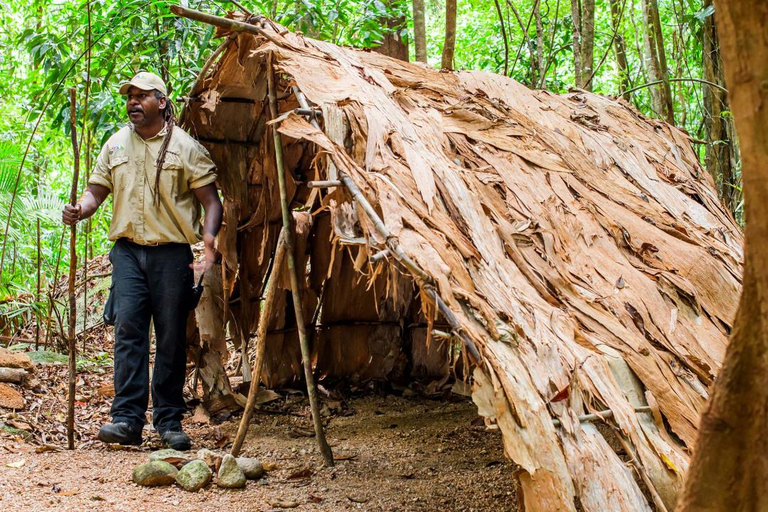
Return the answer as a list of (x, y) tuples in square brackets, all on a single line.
[(325, 449), (37, 295), (221, 22), (261, 343), (72, 273)]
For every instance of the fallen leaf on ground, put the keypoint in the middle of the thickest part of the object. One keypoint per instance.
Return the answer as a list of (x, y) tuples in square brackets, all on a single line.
[(223, 440), (47, 448), (16, 464), (266, 395), (284, 504), (201, 416), (269, 466), (345, 456), (300, 432), (357, 499), (106, 390), (304, 472)]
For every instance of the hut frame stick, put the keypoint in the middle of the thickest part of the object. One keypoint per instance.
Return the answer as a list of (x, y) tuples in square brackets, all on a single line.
[(422, 278), (72, 273), (306, 355), (261, 342), (221, 22)]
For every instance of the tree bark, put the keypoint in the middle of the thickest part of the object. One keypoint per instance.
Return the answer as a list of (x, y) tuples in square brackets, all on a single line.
[(721, 149), (619, 47), (449, 45), (539, 65), (583, 12), (661, 95), (729, 470), (576, 17), (394, 44), (419, 31), (503, 36)]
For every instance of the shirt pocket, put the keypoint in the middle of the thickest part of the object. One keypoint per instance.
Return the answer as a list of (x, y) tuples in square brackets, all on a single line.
[(171, 176), (118, 163)]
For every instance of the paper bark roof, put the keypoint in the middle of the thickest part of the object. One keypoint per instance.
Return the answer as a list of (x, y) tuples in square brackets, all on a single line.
[(580, 244)]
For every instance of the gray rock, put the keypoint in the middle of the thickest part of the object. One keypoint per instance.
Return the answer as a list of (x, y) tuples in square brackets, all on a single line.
[(251, 468), (194, 476), (230, 475), (211, 458), (157, 472), (168, 455)]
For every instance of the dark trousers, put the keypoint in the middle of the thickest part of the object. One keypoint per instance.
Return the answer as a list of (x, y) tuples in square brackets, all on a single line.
[(150, 283)]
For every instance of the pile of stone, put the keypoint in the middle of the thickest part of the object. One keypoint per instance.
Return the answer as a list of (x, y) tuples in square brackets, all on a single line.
[(18, 369), (166, 467)]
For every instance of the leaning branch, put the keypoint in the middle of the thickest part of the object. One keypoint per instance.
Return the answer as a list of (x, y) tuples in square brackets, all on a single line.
[(656, 82), (221, 22)]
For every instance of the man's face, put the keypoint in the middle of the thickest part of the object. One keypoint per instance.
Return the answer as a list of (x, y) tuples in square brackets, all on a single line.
[(143, 107)]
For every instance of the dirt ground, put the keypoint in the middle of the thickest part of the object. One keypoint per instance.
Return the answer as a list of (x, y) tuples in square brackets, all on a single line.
[(401, 454)]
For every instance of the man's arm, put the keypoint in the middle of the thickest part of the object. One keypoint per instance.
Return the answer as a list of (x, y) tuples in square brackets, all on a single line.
[(90, 201), (209, 198)]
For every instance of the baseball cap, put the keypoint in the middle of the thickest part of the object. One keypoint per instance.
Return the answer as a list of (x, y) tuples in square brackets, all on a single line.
[(146, 81)]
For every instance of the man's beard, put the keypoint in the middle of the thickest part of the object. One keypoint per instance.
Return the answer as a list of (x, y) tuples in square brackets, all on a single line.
[(141, 121)]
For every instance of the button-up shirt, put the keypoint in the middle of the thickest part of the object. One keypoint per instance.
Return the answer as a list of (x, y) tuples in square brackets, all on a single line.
[(127, 166)]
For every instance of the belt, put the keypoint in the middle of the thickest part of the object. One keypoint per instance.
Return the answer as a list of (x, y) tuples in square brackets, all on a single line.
[(145, 244)]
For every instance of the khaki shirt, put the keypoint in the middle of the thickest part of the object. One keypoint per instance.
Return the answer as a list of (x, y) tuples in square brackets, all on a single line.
[(127, 166)]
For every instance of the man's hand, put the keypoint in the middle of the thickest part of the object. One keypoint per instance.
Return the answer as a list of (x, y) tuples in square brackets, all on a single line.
[(212, 255), (71, 214), (92, 198)]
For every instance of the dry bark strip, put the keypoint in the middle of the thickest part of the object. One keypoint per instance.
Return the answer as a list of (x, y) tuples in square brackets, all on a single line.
[(579, 245)]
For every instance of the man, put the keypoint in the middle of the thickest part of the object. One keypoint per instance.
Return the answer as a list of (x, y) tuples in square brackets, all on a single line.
[(159, 177)]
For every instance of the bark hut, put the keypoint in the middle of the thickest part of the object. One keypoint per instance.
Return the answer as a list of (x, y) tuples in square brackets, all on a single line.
[(576, 244)]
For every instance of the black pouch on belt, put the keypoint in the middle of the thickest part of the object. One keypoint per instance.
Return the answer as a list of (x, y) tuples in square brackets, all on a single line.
[(110, 310), (197, 292)]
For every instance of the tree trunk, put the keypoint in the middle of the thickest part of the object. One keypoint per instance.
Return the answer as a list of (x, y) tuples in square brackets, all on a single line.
[(620, 48), (729, 470), (583, 12), (661, 95), (721, 149), (576, 17), (539, 67), (394, 44), (419, 31), (450, 34)]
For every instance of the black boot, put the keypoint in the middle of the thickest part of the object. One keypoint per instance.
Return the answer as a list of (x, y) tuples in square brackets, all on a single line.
[(122, 433), (176, 439)]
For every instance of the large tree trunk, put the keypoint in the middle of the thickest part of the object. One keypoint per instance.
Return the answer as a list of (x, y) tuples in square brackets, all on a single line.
[(661, 95), (450, 34), (394, 43), (729, 470), (419, 31), (721, 149), (583, 13), (619, 47)]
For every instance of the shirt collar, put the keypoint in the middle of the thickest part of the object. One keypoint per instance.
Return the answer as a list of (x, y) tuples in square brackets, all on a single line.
[(163, 131)]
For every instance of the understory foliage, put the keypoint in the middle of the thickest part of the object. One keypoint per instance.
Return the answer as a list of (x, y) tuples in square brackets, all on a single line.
[(93, 45)]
